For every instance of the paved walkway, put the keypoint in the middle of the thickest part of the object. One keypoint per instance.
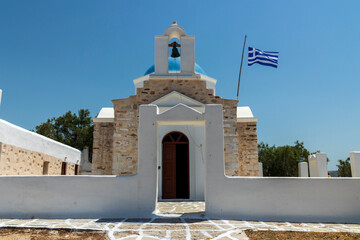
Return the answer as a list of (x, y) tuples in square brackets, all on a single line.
[(176, 220)]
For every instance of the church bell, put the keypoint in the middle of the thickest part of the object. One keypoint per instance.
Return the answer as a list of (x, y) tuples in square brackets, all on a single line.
[(175, 52)]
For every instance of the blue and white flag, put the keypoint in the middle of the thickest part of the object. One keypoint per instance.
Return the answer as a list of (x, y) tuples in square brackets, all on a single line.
[(263, 58)]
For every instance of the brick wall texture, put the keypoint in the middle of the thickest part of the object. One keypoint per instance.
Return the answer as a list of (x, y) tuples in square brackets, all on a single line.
[(116, 144), (19, 161)]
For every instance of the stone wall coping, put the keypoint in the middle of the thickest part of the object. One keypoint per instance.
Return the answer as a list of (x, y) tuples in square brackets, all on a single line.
[(141, 79), (253, 119), (174, 76), (103, 120)]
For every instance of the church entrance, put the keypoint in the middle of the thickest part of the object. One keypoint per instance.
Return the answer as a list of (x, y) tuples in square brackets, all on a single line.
[(175, 166)]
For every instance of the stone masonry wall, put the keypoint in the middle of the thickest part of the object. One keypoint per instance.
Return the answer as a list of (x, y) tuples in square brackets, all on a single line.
[(125, 145), (125, 138), (248, 149), (70, 169), (19, 161), (102, 148)]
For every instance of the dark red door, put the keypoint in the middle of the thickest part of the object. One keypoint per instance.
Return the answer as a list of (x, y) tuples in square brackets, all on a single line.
[(175, 166), (169, 171)]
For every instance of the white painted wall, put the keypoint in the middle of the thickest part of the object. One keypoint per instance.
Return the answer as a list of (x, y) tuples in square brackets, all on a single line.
[(20, 137), (74, 197), (276, 199), (88, 196), (285, 199), (355, 163), (246, 198)]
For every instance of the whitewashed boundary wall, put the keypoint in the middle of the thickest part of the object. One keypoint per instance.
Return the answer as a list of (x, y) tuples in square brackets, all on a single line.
[(355, 164), (88, 196), (277, 199), (74, 197), (20, 137), (285, 199)]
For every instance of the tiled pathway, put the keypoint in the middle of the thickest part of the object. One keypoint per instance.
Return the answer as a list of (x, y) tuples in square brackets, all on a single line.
[(176, 220)]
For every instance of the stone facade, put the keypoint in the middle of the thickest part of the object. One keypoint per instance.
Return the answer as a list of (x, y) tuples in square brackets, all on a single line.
[(102, 148), (18, 161), (247, 148), (116, 143)]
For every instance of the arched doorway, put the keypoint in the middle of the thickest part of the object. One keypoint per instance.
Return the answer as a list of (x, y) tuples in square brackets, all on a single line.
[(175, 166)]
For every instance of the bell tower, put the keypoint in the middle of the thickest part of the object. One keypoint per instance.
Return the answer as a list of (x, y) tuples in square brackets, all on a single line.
[(187, 43)]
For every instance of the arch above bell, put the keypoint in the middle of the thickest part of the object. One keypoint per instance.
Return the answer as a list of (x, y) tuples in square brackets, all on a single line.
[(174, 31)]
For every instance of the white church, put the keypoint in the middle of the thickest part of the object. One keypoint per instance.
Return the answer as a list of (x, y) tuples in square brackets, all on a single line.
[(176, 95)]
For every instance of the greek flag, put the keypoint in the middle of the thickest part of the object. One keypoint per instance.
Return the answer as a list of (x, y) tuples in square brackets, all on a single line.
[(263, 58)]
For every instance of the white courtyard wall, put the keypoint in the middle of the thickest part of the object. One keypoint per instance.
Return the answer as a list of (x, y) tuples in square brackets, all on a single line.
[(22, 138), (87, 196), (75, 197), (279, 199)]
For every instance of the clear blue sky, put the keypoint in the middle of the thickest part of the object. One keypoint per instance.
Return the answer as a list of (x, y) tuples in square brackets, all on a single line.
[(57, 56)]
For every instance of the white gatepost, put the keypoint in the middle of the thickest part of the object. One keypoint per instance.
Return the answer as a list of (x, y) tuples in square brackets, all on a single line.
[(318, 165), (260, 167), (355, 163), (85, 163), (303, 169)]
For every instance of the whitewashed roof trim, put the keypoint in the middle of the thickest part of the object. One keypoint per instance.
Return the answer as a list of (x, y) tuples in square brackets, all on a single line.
[(244, 114), (106, 114)]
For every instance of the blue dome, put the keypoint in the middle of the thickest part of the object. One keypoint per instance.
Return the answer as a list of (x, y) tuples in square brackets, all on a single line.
[(174, 66)]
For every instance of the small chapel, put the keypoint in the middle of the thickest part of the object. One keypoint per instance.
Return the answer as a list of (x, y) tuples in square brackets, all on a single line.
[(173, 108)]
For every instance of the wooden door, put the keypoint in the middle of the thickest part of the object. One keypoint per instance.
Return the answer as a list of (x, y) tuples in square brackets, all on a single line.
[(175, 166), (169, 171)]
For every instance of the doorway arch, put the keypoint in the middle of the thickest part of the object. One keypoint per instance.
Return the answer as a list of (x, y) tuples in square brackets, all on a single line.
[(175, 166)]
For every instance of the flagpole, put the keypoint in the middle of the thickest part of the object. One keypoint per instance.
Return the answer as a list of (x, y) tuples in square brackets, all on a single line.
[(242, 58)]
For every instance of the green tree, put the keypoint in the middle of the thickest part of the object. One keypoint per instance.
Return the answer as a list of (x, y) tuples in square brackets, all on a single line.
[(282, 161), (71, 129), (344, 168)]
